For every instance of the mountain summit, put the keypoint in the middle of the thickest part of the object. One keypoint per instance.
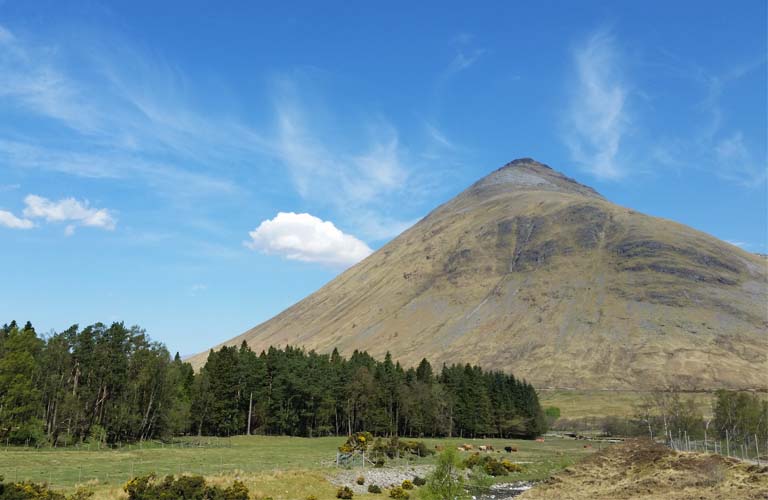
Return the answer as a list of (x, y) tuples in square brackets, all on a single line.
[(529, 271), (526, 173)]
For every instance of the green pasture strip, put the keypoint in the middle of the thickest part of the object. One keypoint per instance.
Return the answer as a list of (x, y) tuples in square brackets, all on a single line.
[(65, 468)]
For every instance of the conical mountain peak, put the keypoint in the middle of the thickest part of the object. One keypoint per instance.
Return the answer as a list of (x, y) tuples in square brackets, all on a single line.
[(529, 174)]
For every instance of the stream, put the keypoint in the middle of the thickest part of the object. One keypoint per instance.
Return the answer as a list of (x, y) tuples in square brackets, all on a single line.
[(505, 491)]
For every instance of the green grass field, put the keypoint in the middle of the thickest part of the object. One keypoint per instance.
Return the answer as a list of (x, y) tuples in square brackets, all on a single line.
[(281, 467)]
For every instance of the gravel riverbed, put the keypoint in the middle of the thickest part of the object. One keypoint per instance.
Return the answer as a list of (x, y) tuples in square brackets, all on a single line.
[(394, 476), (383, 477)]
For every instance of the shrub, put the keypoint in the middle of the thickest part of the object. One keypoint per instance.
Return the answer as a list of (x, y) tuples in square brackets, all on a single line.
[(27, 491), (238, 491), (489, 464), (373, 488), (311, 497), (360, 480), (407, 485), (511, 466), (419, 481), (418, 448), (358, 441), (399, 493), (344, 492), (81, 494), (379, 463), (395, 447), (446, 481), (493, 467), (187, 487)]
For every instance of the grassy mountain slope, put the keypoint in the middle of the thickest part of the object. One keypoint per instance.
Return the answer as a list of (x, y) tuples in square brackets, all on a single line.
[(531, 272)]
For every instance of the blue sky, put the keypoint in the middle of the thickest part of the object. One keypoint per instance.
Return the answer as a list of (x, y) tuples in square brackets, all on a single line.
[(195, 169)]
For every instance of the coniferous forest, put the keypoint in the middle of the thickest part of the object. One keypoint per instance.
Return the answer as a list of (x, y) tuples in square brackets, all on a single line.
[(113, 384)]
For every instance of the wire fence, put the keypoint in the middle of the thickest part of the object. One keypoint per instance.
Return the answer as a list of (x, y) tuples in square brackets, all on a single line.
[(747, 448)]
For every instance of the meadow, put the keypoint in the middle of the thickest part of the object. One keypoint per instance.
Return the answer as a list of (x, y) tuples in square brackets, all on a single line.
[(287, 468)]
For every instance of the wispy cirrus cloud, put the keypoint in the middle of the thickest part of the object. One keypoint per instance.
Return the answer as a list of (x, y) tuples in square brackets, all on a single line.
[(327, 172), (437, 136), (597, 117), (164, 177), (714, 144), (466, 54), (136, 123), (736, 162), (464, 59), (124, 121)]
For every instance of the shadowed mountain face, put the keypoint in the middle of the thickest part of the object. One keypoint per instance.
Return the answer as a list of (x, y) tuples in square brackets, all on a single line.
[(531, 272)]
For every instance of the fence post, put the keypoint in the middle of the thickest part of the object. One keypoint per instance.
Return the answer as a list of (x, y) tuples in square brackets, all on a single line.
[(727, 444), (757, 450)]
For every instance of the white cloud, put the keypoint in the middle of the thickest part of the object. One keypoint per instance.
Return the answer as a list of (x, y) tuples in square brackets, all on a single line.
[(68, 210), (7, 219), (597, 117), (307, 238)]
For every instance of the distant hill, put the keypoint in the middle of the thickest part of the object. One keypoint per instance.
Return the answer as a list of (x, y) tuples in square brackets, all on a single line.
[(529, 271)]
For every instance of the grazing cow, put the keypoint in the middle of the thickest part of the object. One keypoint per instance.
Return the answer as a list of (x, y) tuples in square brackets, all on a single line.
[(539, 440), (467, 447), (508, 449), (460, 448), (482, 448), (489, 447)]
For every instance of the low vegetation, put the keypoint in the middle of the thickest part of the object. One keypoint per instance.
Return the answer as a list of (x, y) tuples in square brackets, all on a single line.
[(182, 487), (642, 469), (281, 467)]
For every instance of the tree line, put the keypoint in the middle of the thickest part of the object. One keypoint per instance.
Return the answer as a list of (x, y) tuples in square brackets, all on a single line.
[(669, 415), (113, 384)]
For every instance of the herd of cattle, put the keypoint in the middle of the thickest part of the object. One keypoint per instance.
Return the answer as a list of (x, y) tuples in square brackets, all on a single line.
[(483, 447)]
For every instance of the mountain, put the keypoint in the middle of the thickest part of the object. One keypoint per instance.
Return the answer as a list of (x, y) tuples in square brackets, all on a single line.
[(531, 272)]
